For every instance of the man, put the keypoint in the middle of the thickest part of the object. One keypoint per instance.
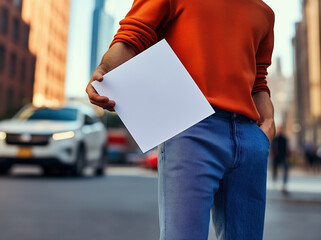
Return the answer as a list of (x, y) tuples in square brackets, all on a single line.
[(280, 151), (221, 162)]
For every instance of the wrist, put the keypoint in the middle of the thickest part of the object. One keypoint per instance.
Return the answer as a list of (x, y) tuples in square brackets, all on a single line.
[(102, 68), (268, 121)]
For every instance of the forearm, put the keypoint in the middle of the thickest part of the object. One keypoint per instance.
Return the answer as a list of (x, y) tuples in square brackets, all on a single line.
[(265, 108), (115, 56)]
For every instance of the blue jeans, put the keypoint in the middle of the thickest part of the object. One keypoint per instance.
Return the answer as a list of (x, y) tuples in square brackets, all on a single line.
[(219, 164)]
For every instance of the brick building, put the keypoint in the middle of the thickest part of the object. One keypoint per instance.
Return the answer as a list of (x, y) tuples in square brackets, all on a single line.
[(17, 63), (49, 24), (307, 47)]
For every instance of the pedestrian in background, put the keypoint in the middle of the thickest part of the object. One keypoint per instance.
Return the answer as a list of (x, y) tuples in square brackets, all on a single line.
[(311, 159), (280, 152), (318, 156), (221, 162)]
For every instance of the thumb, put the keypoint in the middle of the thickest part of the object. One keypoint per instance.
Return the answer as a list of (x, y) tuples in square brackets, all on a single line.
[(97, 76), (100, 78)]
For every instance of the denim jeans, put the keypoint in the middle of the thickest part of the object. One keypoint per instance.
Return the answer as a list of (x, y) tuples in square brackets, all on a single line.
[(219, 164)]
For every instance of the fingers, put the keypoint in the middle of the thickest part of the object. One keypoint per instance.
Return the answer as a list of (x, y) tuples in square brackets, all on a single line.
[(94, 97), (101, 101), (110, 105)]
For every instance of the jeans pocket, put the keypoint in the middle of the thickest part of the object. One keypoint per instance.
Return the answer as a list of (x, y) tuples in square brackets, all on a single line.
[(264, 135)]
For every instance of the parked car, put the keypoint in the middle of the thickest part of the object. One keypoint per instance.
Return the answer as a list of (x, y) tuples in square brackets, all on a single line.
[(66, 138), (150, 159), (120, 142), (117, 145)]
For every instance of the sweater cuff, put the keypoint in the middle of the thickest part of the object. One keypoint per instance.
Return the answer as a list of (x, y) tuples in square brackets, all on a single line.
[(260, 84), (136, 34)]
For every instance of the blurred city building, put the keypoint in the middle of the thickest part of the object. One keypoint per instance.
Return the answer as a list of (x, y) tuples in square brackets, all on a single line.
[(102, 33), (282, 97), (49, 21), (307, 74), (281, 94), (17, 63)]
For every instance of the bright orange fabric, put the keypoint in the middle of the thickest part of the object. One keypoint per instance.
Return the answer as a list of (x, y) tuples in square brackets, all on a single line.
[(225, 45)]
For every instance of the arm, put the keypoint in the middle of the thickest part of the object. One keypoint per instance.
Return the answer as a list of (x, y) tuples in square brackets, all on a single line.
[(260, 91), (138, 31), (115, 56), (265, 108)]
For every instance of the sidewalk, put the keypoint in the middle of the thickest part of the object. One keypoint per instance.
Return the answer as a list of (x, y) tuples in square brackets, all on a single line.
[(302, 187)]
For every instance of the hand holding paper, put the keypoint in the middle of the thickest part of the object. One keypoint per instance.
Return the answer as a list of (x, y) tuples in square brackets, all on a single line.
[(116, 55), (155, 96), (101, 101)]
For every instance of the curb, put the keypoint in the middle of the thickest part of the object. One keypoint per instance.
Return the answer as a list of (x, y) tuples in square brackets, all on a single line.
[(294, 197)]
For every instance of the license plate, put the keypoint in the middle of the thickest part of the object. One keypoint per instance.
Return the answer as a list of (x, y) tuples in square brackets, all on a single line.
[(24, 152)]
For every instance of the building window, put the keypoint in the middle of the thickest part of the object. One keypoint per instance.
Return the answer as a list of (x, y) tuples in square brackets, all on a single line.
[(17, 4), (25, 36), (1, 91), (2, 57), (13, 63), (21, 98), (15, 32), (10, 98), (4, 20), (23, 70)]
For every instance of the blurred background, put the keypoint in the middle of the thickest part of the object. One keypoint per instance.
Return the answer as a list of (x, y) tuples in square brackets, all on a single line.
[(72, 171)]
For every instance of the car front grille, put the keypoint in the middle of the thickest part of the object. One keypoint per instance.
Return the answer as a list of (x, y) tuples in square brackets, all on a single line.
[(27, 139)]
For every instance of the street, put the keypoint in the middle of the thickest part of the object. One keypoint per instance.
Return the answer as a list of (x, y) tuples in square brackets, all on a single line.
[(123, 205)]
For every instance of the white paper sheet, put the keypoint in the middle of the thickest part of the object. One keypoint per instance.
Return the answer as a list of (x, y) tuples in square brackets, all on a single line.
[(155, 96)]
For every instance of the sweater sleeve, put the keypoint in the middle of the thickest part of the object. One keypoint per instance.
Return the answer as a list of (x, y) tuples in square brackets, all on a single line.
[(141, 26), (263, 61)]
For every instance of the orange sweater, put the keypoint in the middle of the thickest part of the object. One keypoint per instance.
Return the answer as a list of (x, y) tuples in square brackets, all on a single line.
[(226, 46)]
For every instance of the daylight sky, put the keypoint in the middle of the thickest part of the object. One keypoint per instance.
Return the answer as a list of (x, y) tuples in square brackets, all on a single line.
[(287, 12)]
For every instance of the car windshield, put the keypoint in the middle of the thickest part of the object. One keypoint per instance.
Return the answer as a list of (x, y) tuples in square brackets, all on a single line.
[(59, 114)]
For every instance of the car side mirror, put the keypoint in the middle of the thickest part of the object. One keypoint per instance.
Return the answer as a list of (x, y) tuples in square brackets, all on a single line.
[(89, 121)]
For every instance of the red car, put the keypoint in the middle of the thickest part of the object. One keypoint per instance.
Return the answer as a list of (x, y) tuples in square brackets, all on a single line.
[(150, 160)]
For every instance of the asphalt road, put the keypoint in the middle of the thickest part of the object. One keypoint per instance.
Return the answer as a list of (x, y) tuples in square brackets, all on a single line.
[(119, 206)]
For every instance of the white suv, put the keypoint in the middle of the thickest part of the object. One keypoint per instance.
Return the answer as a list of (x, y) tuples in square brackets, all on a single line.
[(66, 138)]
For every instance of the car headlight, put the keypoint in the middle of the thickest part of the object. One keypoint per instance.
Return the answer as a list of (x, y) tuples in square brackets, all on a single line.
[(3, 135), (63, 135)]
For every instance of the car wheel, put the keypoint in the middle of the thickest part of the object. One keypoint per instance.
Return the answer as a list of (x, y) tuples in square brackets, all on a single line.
[(49, 171), (4, 169), (100, 169), (80, 163)]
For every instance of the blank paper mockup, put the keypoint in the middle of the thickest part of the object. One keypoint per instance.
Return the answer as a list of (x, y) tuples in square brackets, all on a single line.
[(155, 96)]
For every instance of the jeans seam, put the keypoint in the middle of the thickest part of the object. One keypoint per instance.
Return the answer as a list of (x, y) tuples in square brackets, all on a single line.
[(224, 207), (233, 144), (164, 191), (236, 145), (239, 150)]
